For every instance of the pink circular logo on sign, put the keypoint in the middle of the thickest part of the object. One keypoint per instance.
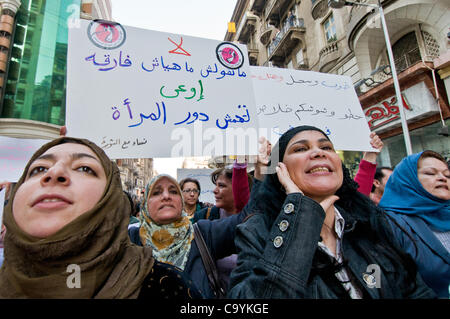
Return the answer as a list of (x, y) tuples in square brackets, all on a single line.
[(229, 55), (106, 35)]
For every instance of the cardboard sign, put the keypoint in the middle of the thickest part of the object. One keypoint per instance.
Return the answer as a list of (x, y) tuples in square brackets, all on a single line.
[(139, 93), (15, 154), (287, 98)]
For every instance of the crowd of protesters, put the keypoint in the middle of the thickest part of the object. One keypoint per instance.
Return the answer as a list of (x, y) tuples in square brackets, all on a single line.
[(304, 230)]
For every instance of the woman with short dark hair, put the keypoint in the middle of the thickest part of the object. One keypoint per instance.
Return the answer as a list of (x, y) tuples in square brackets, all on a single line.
[(191, 190)]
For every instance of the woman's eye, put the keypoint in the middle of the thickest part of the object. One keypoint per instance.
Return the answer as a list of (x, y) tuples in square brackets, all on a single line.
[(86, 169), (300, 149), (37, 170), (327, 148)]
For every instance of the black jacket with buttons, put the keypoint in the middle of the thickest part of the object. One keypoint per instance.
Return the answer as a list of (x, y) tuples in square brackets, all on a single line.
[(278, 256)]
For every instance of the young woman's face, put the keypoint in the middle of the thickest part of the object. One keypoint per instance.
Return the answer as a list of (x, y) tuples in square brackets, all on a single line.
[(63, 183), (434, 176), (313, 164), (164, 202), (190, 193), (223, 193)]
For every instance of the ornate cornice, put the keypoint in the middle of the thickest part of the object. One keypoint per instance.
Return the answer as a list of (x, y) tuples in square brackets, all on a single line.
[(12, 5)]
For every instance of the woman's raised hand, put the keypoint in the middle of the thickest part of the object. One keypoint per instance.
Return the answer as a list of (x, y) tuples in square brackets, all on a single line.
[(285, 179)]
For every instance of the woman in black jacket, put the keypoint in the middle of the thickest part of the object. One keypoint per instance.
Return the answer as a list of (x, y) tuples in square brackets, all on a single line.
[(313, 235)]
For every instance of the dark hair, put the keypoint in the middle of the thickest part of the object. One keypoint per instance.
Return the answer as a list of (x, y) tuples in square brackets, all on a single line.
[(189, 180), (432, 154), (223, 171), (228, 173), (379, 175)]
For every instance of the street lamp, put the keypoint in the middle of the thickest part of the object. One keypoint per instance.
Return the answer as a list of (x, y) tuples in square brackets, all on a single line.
[(338, 4)]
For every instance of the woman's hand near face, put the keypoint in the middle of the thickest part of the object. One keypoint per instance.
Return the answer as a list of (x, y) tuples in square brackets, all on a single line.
[(291, 187), (285, 179)]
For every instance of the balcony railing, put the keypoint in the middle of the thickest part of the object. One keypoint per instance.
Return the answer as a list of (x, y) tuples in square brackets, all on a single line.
[(246, 26), (407, 59), (294, 23), (329, 48)]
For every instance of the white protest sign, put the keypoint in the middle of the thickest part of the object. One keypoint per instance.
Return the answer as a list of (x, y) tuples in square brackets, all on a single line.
[(15, 154), (287, 98), (140, 93), (203, 175), (2, 203)]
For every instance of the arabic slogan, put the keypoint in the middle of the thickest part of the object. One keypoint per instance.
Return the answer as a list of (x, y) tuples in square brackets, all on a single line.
[(287, 98), (136, 97)]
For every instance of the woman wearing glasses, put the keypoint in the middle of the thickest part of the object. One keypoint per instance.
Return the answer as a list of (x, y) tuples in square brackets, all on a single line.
[(191, 192)]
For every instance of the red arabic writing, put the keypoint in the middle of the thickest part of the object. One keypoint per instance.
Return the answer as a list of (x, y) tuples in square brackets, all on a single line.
[(385, 112)]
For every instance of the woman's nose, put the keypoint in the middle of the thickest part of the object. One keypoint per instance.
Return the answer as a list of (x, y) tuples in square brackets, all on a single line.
[(317, 152), (56, 174), (165, 194), (442, 177)]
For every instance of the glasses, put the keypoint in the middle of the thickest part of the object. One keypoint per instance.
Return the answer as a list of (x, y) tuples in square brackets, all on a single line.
[(195, 191)]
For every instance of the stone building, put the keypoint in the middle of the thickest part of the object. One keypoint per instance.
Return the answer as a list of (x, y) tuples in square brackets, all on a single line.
[(309, 35)]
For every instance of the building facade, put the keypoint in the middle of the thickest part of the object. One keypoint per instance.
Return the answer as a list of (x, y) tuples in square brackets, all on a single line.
[(33, 54), (308, 35)]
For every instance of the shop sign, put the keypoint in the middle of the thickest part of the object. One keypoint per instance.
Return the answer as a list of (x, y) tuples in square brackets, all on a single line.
[(417, 102)]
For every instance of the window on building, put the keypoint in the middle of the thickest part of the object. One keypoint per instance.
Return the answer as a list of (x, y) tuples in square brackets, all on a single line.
[(299, 57), (290, 65), (330, 29), (36, 75), (406, 51)]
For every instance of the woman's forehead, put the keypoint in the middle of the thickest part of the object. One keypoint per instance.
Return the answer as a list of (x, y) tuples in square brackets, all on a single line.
[(189, 185), (69, 149), (223, 178), (164, 181), (431, 161), (308, 136)]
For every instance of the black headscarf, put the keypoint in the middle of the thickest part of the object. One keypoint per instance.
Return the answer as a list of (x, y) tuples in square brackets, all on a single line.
[(272, 188)]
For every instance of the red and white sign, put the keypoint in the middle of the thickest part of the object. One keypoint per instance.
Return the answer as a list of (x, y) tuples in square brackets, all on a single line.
[(418, 102)]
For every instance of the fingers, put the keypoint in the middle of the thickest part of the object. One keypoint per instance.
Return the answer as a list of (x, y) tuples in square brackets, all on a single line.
[(328, 202), (4, 184), (285, 179), (63, 130), (262, 157), (376, 141)]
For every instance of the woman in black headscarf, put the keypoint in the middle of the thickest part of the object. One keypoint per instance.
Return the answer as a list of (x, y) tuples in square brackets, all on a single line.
[(313, 235)]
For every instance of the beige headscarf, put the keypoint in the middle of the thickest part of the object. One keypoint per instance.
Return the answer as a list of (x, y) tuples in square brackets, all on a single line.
[(97, 241), (171, 243)]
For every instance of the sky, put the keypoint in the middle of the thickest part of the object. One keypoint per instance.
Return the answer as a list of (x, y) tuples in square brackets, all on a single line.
[(200, 18)]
